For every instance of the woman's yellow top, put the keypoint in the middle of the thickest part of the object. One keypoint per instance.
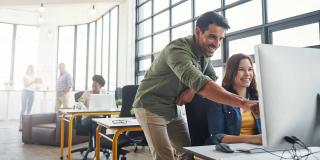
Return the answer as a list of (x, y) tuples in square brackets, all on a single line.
[(248, 126)]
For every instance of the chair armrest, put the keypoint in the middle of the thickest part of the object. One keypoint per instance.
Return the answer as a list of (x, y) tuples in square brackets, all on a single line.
[(26, 129)]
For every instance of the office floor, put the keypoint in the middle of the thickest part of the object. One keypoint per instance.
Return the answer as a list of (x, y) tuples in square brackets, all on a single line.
[(11, 147)]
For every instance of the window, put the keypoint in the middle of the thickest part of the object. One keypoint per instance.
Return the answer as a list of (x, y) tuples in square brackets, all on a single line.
[(174, 1), (160, 21), (219, 72), (230, 1), (144, 11), (298, 36), (182, 31), (113, 50), (26, 52), (160, 5), (140, 78), (249, 21), (241, 17), (144, 64), (106, 47), (288, 8), (141, 1), (6, 33), (202, 6), (181, 13), (93, 52), (65, 48), (160, 41), (217, 54), (144, 28), (98, 47), (81, 57), (244, 45), (91, 56), (144, 46)]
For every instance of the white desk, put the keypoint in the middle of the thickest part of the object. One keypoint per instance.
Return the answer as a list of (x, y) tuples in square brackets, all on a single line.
[(209, 153), (115, 124)]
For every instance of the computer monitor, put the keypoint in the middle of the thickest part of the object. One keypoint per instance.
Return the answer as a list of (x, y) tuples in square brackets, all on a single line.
[(102, 102), (288, 80)]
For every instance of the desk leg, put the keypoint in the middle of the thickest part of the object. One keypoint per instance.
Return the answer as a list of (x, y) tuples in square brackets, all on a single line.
[(62, 135), (98, 142), (115, 143), (70, 137)]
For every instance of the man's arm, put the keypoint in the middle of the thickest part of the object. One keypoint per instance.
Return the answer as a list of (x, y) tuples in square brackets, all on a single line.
[(214, 92), (69, 84), (186, 96)]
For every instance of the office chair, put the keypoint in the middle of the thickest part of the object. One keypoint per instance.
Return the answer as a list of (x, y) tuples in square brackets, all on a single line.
[(84, 131), (128, 138), (197, 118), (80, 130)]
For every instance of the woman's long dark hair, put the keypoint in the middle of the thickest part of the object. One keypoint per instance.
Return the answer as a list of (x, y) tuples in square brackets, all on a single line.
[(232, 67)]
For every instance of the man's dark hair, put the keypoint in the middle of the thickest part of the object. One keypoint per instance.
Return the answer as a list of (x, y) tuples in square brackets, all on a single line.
[(211, 17), (99, 79)]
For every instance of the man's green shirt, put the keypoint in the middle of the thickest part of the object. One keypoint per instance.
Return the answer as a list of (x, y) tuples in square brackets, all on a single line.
[(179, 65)]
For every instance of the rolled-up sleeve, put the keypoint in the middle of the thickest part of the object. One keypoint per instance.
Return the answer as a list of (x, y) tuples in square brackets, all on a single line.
[(180, 61)]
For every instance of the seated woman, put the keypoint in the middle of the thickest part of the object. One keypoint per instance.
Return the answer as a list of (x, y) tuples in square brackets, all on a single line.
[(234, 125)]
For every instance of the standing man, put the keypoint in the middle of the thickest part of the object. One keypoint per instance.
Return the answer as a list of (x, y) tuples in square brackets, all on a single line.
[(182, 69), (64, 84)]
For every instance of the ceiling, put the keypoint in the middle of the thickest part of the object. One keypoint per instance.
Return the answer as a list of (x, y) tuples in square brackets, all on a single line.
[(47, 2), (57, 12)]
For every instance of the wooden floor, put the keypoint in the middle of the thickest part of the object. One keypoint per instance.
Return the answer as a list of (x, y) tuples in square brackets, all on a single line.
[(12, 148)]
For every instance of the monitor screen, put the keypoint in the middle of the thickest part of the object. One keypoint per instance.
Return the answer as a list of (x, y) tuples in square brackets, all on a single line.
[(288, 80)]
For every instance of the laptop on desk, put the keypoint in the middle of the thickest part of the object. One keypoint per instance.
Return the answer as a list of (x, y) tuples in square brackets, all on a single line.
[(102, 102)]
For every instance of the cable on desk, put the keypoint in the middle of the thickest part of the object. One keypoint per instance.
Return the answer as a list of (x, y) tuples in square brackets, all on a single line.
[(293, 151)]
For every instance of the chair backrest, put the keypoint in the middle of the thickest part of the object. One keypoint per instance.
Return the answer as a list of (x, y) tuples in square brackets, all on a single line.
[(128, 95), (118, 93), (196, 112), (78, 95)]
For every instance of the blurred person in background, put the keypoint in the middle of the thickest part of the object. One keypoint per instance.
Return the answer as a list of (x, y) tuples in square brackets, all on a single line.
[(64, 84), (30, 84)]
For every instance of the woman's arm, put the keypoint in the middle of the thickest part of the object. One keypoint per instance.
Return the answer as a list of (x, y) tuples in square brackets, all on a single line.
[(216, 122), (27, 83), (252, 139)]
